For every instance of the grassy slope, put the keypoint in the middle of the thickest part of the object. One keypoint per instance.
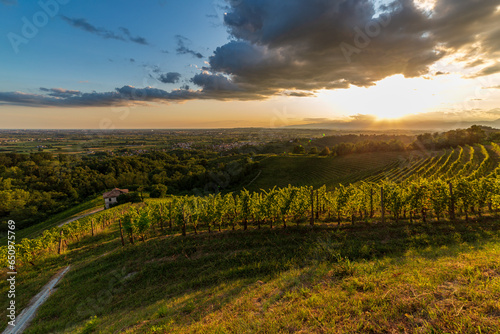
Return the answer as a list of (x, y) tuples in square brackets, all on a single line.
[(81, 209), (435, 277)]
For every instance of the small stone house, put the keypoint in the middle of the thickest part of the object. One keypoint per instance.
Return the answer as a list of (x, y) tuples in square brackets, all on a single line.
[(110, 198)]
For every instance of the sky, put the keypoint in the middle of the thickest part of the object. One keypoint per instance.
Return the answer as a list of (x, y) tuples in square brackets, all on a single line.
[(246, 63)]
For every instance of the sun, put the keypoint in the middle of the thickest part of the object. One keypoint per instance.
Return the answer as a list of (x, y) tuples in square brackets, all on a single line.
[(391, 98)]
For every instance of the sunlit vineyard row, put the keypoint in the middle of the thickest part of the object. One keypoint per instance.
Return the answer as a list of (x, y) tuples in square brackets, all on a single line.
[(470, 162)]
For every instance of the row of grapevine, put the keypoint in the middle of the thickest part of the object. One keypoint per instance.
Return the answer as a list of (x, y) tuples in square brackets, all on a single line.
[(54, 239), (417, 199)]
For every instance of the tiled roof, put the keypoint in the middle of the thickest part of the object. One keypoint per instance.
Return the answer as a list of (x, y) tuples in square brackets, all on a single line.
[(115, 193)]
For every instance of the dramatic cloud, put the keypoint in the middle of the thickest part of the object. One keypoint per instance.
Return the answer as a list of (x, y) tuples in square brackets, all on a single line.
[(171, 77), (329, 44), (213, 82), (82, 24), (182, 49), (298, 47)]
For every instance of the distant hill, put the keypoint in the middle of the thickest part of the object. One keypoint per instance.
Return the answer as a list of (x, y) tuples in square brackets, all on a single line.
[(385, 125)]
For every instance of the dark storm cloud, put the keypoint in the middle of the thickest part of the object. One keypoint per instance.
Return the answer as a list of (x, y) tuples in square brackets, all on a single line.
[(171, 77), (82, 24), (183, 49)]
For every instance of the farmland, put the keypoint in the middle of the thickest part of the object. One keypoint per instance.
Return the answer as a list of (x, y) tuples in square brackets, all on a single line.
[(400, 241)]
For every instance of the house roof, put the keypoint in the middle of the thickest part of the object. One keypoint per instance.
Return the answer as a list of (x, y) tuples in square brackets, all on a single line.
[(114, 193)]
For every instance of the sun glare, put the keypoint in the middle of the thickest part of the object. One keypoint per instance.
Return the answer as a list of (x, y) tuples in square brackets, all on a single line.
[(391, 98)]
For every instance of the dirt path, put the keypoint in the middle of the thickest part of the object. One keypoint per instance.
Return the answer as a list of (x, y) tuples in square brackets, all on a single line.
[(26, 316), (80, 217)]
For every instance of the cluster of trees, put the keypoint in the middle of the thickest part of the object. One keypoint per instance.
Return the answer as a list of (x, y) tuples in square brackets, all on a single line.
[(351, 148), (40, 184), (350, 144), (454, 138)]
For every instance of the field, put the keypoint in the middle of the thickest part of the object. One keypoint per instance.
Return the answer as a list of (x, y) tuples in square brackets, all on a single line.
[(349, 273)]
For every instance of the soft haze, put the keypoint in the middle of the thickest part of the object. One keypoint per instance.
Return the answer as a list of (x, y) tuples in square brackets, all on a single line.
[(239, 63)]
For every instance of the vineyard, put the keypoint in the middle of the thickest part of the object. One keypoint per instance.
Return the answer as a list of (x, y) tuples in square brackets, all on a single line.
[(390, 238), (454, 184)]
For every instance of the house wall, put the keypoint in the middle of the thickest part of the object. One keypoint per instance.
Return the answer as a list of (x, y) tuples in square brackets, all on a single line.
[(110, 201)]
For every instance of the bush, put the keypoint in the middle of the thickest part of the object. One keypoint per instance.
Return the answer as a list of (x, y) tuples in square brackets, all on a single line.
[(129, 198), (299, 150), (158, 191), (325, 152)]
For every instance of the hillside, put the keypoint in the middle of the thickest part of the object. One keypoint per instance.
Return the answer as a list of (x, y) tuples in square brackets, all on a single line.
[(301, 170), (363, 278), (400, 253)]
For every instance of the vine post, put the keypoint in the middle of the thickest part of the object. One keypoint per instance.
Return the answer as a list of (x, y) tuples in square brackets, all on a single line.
[(317, 204), (382, 207), (121, 232), (371, 202), (60, 242), (312, 207), (452, 203)]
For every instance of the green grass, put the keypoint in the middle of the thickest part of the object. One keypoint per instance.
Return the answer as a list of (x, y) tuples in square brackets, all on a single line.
[(438, 277)]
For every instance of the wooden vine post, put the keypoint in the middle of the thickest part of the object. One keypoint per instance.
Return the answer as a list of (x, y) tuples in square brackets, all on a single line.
[(312, 207), (371, 202), (382, 203), (317, 204), (183, 223), (161, 217), (121, 232), (452, 203), (92, 226), (170, 217), (60, 243)]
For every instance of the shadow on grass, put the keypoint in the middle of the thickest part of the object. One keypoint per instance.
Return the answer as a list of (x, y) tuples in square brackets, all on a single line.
[(111, 281)]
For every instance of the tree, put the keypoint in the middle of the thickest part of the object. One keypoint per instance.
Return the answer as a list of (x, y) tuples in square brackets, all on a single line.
[(158, 191), (313, 150), (325, 152), (299, 150)]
